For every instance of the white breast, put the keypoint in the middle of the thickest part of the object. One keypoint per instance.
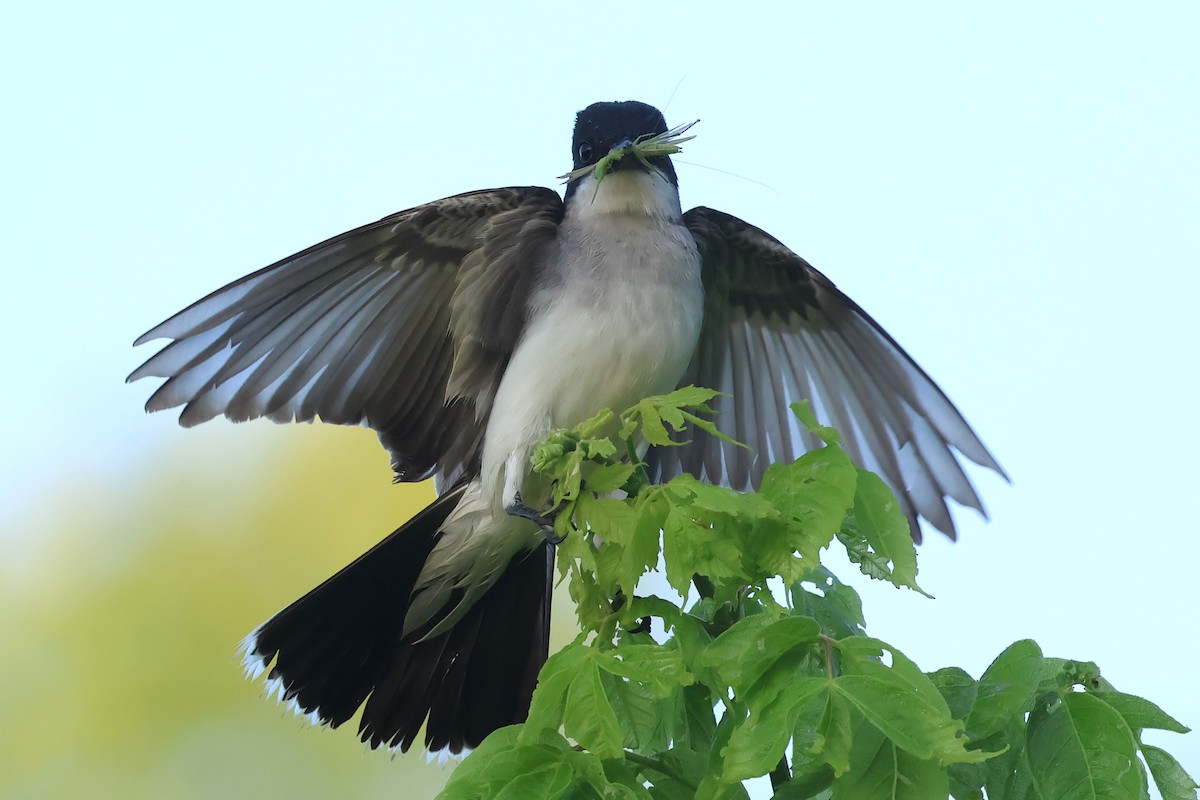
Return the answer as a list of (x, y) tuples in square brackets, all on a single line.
[(617, 320)]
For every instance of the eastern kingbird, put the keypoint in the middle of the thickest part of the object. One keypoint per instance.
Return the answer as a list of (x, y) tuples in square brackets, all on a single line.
[(463, 331)]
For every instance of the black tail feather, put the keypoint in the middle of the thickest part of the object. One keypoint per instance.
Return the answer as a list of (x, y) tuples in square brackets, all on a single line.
[(342, 644)]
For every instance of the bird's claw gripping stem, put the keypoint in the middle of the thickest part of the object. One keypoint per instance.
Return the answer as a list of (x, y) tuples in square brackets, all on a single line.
[(544, 519)]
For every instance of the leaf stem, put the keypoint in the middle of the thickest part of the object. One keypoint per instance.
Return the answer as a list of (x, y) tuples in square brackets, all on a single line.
[(658, 765), (827, 644), (638, 465)]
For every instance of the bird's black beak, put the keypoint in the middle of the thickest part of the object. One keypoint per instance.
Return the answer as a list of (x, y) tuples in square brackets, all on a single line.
[(628, 161)]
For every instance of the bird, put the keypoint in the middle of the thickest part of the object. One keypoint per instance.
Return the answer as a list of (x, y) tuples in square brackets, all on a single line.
[(463, 331)]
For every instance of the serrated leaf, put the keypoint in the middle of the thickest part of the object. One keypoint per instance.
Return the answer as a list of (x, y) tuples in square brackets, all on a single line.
[(570, 695), (745, 505), (505, 766), (863, 653), (902, 702), (1079, 748), (760, 740), (554, 681), (1172, 780), (696, 397), (808, 419), (879, 770), (607, 478), (835, 734), (813, 495), (882, 523), (837, 607), (692, 548), (743, 653), (1139, 713), (588, 717), (1006, 688), (658, 667), (612, 519), (653, 430), (646, 718), (595, 425)]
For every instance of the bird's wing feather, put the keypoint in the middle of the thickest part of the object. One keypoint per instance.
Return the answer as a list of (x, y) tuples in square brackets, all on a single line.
[(777, 331), (382, 326)]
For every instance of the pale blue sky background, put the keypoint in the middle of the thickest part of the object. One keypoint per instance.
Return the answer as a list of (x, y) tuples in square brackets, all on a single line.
[(1012, 191)]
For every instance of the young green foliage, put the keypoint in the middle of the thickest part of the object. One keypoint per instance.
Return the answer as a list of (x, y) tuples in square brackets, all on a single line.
[(745, 681)]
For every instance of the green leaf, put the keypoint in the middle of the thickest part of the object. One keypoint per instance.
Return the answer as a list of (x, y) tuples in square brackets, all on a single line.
[(554, 681), (834, 605), (647, 719), (1007, 688), (1170, 778), (808, 419), (1008, 775), (812, 494), (653, 429), (760, 739), (612, 519), (882, 523), (658, 667), (879, 770), (862, 719), (1079, 748), (958, 689), (621, 781), (505, 766), (806, 784), (711, 786), (570, 695), (761, 658), (1140, 713), (696, 397), (966, 781), (607, 478), (901, 701), (691, 547), (588, 717), (747, 650), (835, 734), (699, 722)]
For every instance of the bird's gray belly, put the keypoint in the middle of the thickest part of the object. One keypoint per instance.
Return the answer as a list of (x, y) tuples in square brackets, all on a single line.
[(595, 347)]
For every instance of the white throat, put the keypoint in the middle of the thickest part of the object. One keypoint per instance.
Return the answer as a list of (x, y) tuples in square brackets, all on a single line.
[(626, 192)]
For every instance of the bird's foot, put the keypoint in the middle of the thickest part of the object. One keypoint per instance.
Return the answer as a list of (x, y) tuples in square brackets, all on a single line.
[(544, 519)]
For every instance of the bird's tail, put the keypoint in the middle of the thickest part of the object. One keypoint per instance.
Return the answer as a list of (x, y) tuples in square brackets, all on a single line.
[(343, 644)]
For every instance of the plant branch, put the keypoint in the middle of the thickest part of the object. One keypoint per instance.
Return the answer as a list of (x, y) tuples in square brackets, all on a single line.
[(658, 765)]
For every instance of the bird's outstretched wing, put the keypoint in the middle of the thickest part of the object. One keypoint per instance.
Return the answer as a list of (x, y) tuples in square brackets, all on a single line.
[(405, 325), (777, 331)]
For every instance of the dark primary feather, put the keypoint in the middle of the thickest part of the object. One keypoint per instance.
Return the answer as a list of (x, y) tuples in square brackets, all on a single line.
[(777, 331), (404, 325), (340, 646)]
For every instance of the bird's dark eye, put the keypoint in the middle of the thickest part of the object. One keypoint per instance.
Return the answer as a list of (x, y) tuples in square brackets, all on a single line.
[(585, 152)]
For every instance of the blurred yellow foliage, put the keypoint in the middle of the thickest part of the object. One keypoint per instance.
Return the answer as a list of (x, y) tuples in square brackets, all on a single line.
[(118, 672)]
